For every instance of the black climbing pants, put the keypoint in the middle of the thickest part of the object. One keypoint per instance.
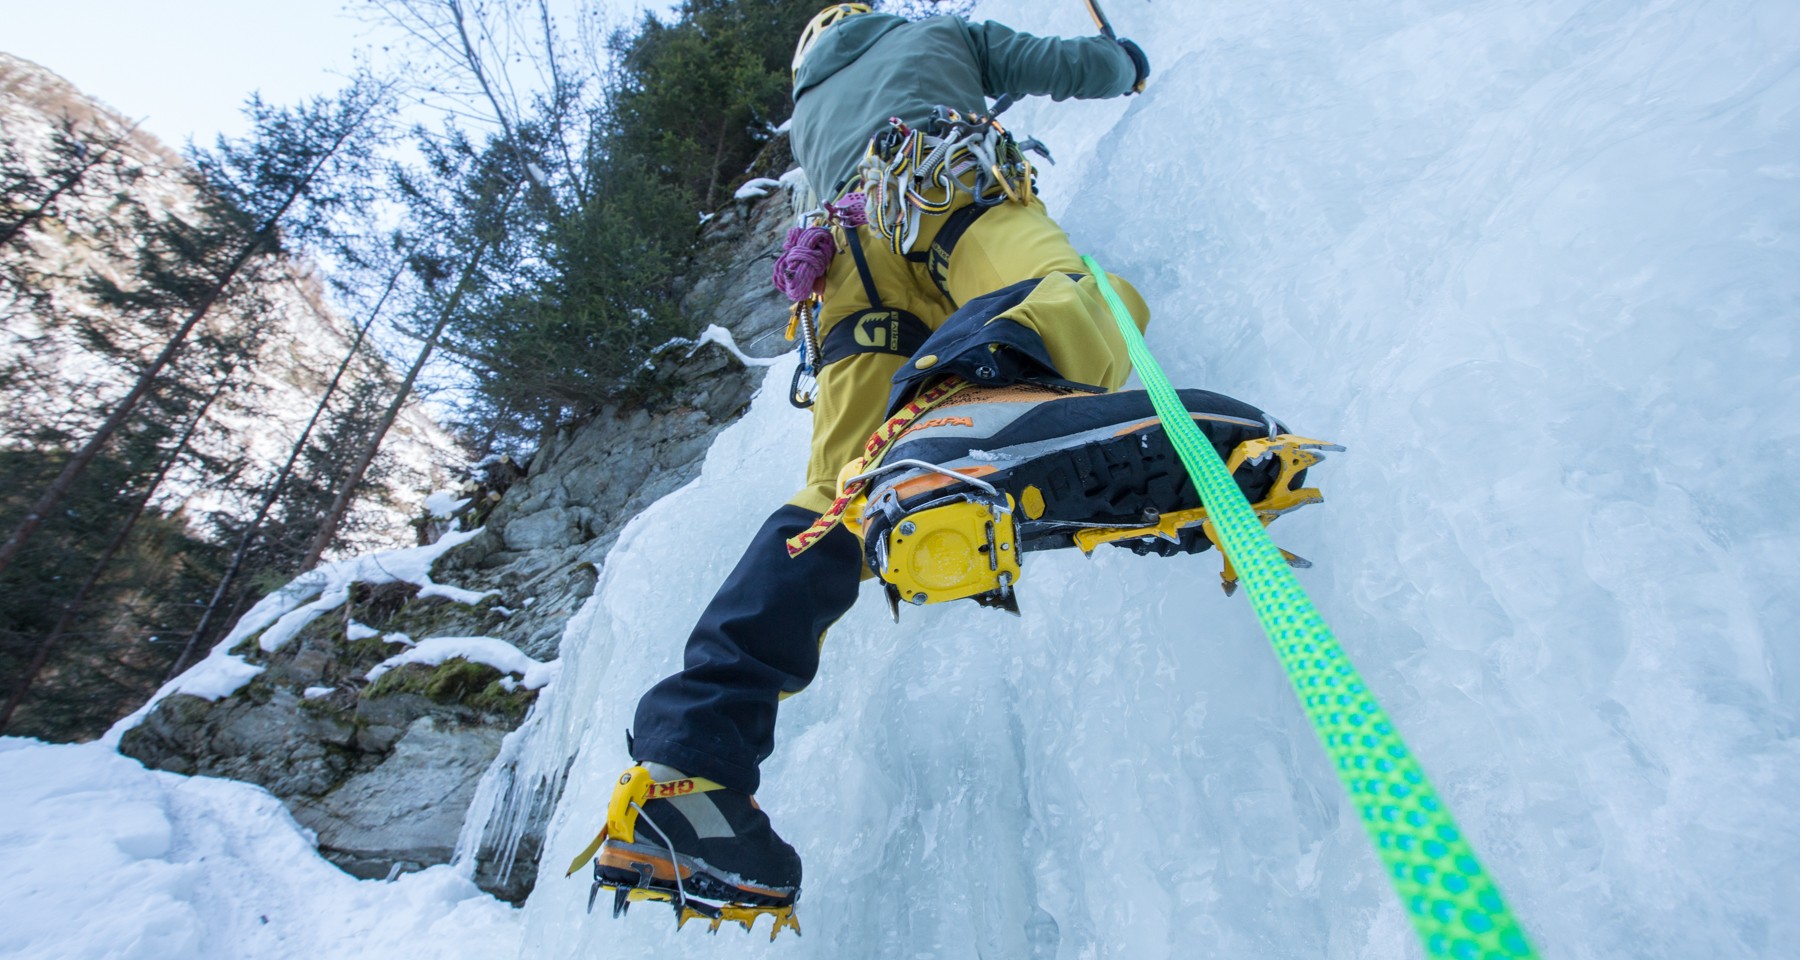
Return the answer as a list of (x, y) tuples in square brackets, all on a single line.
[(758, 640)]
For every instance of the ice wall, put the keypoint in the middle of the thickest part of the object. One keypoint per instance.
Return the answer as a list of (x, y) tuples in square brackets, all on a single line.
[(1535, 263)]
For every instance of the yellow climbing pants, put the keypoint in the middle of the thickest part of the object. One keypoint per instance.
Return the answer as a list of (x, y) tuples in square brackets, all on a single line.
[(1008, 243)]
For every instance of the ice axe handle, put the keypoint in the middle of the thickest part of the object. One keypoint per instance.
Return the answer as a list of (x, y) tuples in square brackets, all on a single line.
[(1100, 20), (1106, 30)]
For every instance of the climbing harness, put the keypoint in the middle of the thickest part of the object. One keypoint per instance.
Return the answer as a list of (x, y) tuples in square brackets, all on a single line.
[(905, 175), (1455, 906), (877, 328)]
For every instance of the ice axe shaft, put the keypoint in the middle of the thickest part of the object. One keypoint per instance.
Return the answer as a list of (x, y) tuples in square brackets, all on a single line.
[(1100, 20), (1106, 29)]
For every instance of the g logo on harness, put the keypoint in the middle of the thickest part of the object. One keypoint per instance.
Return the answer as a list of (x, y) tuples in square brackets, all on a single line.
[(878, 331)]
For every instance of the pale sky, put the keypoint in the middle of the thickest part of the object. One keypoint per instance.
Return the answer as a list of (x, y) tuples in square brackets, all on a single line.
[(184, 67)]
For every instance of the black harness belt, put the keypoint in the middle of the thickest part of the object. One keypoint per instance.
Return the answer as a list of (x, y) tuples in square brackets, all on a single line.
[(878, 329)]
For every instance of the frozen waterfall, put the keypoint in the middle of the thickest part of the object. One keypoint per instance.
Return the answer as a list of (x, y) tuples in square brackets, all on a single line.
[(1536, 264)]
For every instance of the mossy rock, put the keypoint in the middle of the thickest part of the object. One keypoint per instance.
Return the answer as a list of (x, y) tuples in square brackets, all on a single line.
[(435, 616), (455, 681), (257, 691), (497, 699), (381, 602)]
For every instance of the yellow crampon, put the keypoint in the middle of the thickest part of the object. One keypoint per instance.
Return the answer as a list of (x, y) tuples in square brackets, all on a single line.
[(635, 788), (687, 908), (743, 915), (1295, 453), (967, 548)]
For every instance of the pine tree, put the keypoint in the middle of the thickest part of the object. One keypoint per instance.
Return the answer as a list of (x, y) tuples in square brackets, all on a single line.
[(77, 153), (286, 182), (76, 604), (460, 206), (278, 486)]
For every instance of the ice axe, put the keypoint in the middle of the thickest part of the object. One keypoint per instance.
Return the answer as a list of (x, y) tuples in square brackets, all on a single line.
[(1106, 30), (1100, 20)]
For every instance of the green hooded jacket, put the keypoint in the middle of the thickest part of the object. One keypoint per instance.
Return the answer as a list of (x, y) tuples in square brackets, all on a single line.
[(874, 66)]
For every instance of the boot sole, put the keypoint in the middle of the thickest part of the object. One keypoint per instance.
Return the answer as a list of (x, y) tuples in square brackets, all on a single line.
[(1123, 473), (629, 864)]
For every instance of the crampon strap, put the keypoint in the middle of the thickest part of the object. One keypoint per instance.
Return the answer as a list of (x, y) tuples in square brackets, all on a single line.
[(636, 788), (1455, 906), (872, 453)]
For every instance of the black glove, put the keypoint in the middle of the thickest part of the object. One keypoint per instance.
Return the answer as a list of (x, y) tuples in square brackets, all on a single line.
[(1139, 62)]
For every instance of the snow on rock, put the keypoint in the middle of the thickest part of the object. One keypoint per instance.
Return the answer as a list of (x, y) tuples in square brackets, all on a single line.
[(315, 693), (492, 651), (756, 189), (360, 631), (397, 637), (444, 504), (219, 675), (331, 584), (721, 336), (281, 615), (105, 859), (455, 594)]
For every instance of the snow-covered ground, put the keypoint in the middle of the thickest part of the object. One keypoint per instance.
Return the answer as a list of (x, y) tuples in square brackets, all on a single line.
[(1534, 262), (106, 859)]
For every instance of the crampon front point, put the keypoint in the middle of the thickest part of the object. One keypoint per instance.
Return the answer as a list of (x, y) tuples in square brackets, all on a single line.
[(640, 865), (643, 886)]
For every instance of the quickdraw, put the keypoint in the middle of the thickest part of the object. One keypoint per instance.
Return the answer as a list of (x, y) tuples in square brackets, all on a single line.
[(907, 173), (800, 275), (805, 388)]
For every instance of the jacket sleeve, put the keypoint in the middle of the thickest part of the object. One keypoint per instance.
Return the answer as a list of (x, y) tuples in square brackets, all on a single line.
[(1086, 68)]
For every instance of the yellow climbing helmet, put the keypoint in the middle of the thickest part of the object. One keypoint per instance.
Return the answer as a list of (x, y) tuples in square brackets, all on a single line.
[(824, 20)]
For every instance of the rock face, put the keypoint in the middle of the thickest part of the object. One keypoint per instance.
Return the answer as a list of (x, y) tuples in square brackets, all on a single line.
[(555, 526), (404, 810), (384, 772)]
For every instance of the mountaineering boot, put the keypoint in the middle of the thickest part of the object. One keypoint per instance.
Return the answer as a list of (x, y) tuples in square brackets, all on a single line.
[(994, 472), (687, 841)]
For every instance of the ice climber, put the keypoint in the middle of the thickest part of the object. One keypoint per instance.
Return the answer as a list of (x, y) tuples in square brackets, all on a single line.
[(943, 267)]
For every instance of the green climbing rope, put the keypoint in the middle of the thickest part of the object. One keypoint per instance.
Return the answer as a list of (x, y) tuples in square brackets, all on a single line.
[(1455, 906)]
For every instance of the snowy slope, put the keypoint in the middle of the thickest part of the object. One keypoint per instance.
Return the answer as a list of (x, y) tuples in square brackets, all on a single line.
[(107, 859), (1534, 262)]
